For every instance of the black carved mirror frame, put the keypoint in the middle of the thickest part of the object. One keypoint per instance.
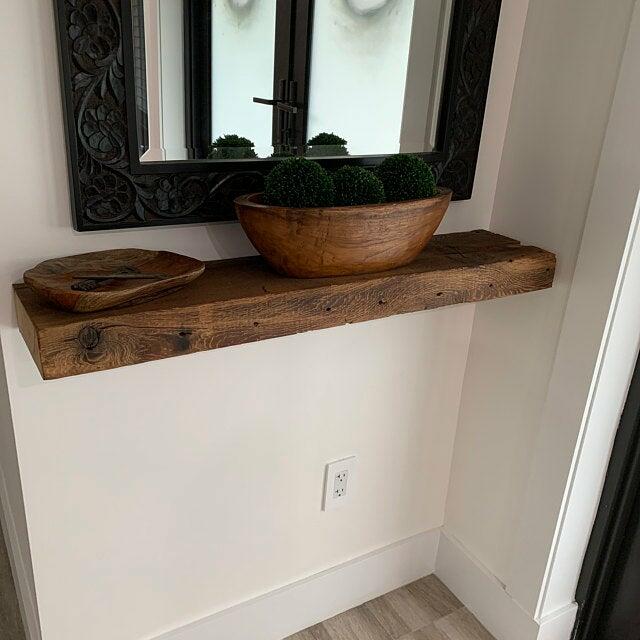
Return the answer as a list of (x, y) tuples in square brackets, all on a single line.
[(111, 189)]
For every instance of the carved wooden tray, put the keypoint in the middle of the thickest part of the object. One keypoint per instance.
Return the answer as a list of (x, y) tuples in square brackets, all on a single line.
[(105, 279)]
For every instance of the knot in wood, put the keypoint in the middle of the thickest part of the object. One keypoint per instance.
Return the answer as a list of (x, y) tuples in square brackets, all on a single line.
[(89, 337)]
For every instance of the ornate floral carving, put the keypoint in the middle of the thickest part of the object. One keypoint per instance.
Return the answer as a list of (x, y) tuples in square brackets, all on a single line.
[(103, 130), (176, 197), (92, 30), (474, 41), (108, 194), (108, 197)]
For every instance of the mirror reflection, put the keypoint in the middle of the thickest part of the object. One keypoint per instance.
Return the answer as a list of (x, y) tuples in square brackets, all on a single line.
[(255, 79)]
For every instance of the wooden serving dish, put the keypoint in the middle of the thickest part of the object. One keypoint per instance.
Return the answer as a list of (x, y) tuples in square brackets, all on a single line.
[(104, 279), (338, 241)]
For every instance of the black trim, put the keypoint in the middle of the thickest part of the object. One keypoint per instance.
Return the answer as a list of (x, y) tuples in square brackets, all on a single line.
[(197, 75), (609, 535), (474, 27), (300, 69), (112, 189), (142, 119), (283, 55)]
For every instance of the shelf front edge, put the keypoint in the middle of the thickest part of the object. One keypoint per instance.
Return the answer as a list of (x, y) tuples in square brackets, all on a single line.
[(241, 301)]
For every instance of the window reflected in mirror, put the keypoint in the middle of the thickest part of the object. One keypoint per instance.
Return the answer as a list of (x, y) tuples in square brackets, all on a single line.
[(240, 80)]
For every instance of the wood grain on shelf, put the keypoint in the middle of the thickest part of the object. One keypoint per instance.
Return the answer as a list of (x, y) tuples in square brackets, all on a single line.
[(242, 300)]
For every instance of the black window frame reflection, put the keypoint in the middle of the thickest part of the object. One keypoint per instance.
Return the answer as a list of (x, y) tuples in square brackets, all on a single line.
[(292, 50)]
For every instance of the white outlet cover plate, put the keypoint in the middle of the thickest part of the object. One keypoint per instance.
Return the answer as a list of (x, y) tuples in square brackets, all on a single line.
[(331, 500)]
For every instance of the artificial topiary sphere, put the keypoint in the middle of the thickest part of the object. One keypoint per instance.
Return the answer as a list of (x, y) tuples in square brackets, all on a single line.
[(299, 183), (406, 177), (232, 147), (326, 144), (356, 186)]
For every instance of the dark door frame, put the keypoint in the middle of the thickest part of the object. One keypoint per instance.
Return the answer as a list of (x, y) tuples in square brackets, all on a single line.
[(610, 531)]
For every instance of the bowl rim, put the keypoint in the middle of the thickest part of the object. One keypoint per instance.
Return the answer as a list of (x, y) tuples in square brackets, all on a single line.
[(249, 200)]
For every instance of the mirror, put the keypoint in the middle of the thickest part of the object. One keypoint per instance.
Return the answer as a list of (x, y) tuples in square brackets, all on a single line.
[(255, 79), (173, 108)]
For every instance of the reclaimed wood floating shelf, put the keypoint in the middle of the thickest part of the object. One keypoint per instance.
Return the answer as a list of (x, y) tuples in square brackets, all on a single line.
[(242, 300)]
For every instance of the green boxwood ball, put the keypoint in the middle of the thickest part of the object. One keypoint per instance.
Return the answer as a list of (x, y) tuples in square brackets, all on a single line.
[(406, 177), (356, 186), (232, 147), (299, 183)]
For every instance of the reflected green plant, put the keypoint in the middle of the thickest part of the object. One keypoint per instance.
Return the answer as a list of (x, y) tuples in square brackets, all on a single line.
[(326, 145), (231, 147)]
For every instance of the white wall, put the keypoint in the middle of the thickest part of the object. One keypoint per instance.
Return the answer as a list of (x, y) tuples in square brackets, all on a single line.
[(424, 84), (241, 72), (596, 356), (128, 475), (171, 62), (566, 79), (360, 61), (155, 151), (167, 491), (14, 525)]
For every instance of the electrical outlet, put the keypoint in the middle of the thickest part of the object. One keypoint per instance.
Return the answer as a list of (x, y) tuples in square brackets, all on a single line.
[(338, 481)]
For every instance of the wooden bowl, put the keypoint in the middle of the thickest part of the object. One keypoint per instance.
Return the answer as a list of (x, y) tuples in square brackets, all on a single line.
[(338, 241)]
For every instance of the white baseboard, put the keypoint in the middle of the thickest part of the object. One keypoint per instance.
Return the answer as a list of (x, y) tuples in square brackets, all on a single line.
[(488, 600), (281, 613), (558, 625), (26, 598)]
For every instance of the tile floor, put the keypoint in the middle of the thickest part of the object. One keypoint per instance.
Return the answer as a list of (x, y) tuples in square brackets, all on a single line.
[(10, 621), (424, 610)]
